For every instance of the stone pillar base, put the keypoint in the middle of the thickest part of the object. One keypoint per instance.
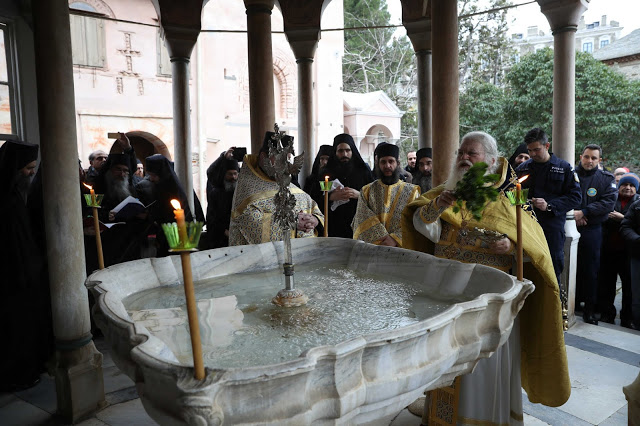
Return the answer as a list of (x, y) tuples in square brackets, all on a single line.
[(79, 382), (568, 276)]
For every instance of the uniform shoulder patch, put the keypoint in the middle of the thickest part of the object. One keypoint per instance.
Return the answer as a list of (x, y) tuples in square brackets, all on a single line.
[(575, 176)]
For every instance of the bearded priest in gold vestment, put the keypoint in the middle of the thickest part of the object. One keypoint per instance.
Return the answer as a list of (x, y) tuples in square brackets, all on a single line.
[(534, 356), (380, 204), (253, 208)]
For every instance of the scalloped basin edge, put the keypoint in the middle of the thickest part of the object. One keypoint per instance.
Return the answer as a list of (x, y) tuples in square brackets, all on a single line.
[(356, 381)]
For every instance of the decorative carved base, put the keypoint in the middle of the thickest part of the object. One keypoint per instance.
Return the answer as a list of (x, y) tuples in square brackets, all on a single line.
[(290, 298), (79, 382)]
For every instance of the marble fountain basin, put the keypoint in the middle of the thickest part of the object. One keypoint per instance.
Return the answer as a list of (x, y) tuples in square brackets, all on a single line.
[(382, 325)]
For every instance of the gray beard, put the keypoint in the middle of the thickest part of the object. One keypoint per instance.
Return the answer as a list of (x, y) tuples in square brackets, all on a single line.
[(390, 180), (230, 186), (118, 189), (425, 183)]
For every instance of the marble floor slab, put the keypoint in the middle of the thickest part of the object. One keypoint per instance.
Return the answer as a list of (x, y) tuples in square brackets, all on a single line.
[(609, 334), (126, 414), (596, 385)]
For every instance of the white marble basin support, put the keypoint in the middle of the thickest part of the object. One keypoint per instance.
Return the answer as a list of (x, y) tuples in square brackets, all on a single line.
[(355, 381)]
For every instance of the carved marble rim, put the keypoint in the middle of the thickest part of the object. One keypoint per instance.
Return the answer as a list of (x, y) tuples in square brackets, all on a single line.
[(480, 325)]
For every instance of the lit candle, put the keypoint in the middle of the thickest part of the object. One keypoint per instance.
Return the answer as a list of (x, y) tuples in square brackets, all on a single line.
[(93, 193), (178, 212), (326, 206)]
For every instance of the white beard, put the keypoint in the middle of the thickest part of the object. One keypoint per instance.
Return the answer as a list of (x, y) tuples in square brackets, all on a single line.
[(455, 176)]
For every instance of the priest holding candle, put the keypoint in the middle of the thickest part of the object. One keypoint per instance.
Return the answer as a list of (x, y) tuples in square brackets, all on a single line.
[(530, 358)]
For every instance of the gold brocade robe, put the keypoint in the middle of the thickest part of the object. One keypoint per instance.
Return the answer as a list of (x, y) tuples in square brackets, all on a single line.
[(253, 208), (544, 366), (380, 209)]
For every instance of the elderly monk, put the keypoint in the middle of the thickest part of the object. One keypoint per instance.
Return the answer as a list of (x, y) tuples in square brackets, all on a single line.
[(491, 394), (253, 211), (381, 202)]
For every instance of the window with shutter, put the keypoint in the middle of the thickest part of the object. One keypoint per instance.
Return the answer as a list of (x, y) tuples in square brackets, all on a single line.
[(164, 62), (87, 38)]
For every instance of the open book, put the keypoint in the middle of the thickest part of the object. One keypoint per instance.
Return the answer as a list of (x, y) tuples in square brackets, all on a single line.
[(128, 208)]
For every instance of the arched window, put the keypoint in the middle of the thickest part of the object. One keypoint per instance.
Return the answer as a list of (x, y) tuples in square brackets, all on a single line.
[(87, 36)]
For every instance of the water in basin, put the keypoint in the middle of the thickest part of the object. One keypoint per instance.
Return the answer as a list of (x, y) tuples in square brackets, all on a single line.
[(240, 327)]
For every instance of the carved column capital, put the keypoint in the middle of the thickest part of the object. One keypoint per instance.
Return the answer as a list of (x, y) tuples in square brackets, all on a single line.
[(259, 6), (563, 14)]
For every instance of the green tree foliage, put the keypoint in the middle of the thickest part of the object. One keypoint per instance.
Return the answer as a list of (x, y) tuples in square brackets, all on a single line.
[(481, 107), (607, 107)]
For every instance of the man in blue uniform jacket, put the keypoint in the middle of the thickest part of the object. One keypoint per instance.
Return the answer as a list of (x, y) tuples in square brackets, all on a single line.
[(599, 194), (554, 189)]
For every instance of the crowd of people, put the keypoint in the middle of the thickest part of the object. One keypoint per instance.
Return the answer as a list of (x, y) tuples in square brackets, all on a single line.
[(388, 205)]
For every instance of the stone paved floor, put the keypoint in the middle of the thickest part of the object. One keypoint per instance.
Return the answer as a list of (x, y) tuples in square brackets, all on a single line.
[(602, 359)]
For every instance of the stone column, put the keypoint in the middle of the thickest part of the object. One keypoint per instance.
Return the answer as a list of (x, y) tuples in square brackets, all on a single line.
[(78, 373), (425, 90), (563, 17), (182, 124), (261, 98), (445, 115), (305, 116), (419, 32), (180, 25), (564, 93), (304, 43)]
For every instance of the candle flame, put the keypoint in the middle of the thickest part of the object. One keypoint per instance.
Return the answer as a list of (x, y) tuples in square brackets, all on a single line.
[(175, 204), (523, 178), (326, 178), (88, 186)]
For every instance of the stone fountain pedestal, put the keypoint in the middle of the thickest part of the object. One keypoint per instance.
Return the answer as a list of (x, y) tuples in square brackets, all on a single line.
[(355, 381)]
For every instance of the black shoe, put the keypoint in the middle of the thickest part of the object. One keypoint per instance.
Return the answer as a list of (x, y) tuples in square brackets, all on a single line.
[(611, 319), (627, 324), (589, 318)]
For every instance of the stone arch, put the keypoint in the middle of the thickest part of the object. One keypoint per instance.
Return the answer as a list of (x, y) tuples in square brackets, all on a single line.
[(374, 135), (100, 6), (379, 133), (144, 144), (284, 71)]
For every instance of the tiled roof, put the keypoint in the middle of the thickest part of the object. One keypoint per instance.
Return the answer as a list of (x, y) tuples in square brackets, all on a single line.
[(625, 46)]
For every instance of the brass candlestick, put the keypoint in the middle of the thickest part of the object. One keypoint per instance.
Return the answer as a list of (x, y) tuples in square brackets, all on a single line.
[(325, 186), (518, 198), (185, 246), (94, 200)]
